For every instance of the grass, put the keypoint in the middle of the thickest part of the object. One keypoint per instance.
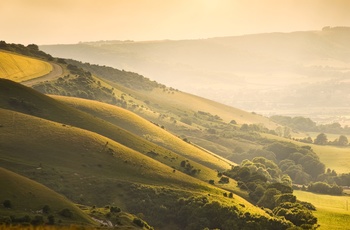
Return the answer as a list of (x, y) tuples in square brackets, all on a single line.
[(76, 162), (48, 108), (65, 147), (188, 102), (79, 155), (137, 125), (337, 158), (332, 212), (28, 196), (21, 68)]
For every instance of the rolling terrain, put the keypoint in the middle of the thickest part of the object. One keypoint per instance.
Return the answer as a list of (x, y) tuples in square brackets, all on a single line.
[(155, 155), (80, 155)]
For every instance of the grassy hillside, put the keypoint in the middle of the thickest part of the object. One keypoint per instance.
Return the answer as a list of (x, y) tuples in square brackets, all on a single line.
[(26, 100), (57, 145), (80, 164), (332, 211), (28, 197), (168, 99), (21, 68), (137, 125)]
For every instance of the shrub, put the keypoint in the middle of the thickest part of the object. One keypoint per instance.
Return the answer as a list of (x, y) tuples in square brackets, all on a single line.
[(66, 213), (114, 209), (138, 222), (224, 180), (46, 209), (7, 204)]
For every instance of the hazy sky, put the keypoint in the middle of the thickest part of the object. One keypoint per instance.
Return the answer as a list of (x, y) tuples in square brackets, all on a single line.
[(71, 21)]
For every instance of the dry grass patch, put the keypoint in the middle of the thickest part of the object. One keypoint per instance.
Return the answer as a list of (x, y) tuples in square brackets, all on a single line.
[(20, 68)]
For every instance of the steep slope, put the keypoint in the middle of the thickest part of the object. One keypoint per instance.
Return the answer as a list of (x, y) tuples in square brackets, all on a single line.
[(21, 68), (138, 125), (38, 143), (144, 90), (27, 197), (20, 98), (81, 164)]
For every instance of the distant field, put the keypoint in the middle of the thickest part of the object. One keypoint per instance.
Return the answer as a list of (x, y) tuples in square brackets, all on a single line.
[(332, 211), (337, 158), (20, 68)]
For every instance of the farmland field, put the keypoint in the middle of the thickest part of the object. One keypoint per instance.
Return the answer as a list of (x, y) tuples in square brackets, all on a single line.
[(19, 68), (332, 211)]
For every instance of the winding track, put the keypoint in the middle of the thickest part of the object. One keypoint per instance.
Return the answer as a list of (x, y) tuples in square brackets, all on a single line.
[(56, 72)]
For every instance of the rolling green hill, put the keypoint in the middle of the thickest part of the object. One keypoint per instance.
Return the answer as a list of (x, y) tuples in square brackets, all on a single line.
[(23, 99), (80, 164), (137, 125), (28, 197)]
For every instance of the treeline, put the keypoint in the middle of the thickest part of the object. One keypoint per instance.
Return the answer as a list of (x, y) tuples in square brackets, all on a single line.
[(308, 125), (322, 139), (29, 50)]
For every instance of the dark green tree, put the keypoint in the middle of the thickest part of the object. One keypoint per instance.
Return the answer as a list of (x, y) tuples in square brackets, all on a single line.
[(7, 204), (321, 139)]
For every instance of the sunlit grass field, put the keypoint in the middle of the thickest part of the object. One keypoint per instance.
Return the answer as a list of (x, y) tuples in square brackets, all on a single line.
[(333, 212), (337, 158), (146, 129), (20, 68)]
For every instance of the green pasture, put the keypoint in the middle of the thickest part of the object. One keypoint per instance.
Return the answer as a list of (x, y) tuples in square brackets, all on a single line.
[(333, 212)]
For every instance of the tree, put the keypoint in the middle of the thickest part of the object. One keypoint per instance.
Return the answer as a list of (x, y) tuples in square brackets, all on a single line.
[(46, 209), (268, 199), (343, 140), (321, 139)]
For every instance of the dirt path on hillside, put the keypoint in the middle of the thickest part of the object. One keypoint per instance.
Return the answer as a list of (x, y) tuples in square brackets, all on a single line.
[(56, 72)]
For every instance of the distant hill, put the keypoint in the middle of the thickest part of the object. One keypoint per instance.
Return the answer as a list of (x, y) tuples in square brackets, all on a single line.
[(274, 73)]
